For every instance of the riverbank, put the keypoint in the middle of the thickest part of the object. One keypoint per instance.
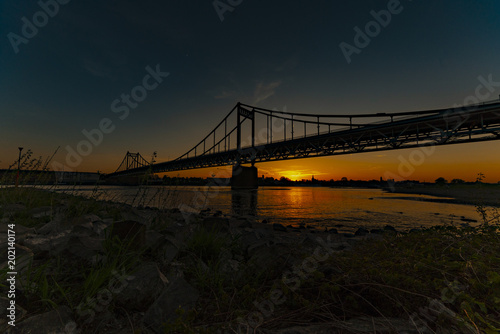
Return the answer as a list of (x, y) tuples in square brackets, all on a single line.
[(87, 266), (477, 194)]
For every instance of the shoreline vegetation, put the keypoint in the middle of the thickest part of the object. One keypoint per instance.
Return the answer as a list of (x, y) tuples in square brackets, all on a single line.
[(91, 266), (85, 265)]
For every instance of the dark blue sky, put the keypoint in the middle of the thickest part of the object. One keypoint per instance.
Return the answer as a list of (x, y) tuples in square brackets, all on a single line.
[(267, 53)]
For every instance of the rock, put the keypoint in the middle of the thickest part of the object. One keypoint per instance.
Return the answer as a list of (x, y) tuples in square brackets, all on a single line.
[(43, 211), (177, 234), (333, 230), (20, 229), (413, 230), (55, 321), (279, 227), (167, 252), (361, 232), (265, 221), (130, 231), (178, 294), (143, 289), (154, 239), (245, 224), (11, 209), (217, 224), (133, 214), (53, 226), (389, 228), (250, 240), (100, 226), (84, 247), (334, 243), (348, 235), (51, 246), (376, 231), (86, 229)]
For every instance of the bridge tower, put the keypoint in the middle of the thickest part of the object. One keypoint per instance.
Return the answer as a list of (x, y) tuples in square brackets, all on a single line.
[(244, 177)]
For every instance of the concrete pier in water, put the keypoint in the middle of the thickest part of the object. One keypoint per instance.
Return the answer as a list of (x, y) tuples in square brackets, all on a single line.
[(244, 178)]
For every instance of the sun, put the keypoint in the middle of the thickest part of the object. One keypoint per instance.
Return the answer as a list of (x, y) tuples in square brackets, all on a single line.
[(294, 175)]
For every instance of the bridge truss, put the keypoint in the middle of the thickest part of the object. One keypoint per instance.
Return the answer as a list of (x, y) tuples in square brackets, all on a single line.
[(251, 134), (132, 161)]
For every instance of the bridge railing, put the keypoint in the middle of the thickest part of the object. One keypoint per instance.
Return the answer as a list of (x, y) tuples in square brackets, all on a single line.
[(294, 126)]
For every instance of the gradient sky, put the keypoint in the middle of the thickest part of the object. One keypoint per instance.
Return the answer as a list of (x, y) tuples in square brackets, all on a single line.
[(273, 54)]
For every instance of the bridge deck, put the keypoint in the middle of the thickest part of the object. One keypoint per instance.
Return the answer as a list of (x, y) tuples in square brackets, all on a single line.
[(437, 127)]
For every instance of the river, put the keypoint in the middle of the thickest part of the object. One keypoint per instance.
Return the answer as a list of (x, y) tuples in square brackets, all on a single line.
[(343, 208)]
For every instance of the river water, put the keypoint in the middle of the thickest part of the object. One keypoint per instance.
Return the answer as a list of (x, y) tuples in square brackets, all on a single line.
[(343, 208)]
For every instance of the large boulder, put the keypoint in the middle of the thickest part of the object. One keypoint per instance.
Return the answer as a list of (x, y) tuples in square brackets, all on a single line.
[(167, 252), (13, 208), (178, 295), (84, 247), (217, 224), (56, 225), (43, 211), (47, 246), (361, 232), (143, 289), (129, 231), (279, 227), (55, 321)]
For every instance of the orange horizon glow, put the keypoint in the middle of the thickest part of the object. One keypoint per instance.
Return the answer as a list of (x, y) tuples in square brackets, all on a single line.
[(464, 161)]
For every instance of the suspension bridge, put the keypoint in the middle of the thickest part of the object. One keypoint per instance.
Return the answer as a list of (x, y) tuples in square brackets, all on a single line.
[(250, 135)]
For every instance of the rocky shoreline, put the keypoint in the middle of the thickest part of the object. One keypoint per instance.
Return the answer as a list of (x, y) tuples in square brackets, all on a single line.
[(176, 255)]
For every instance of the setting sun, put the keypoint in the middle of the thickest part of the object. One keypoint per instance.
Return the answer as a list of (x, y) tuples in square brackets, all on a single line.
[(295, 175)]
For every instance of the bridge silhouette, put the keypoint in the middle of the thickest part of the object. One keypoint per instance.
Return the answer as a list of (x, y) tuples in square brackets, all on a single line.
[(284, 135)]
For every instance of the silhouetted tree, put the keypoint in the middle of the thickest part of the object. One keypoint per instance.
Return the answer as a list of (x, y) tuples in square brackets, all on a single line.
[(457, 181), (441, 180)]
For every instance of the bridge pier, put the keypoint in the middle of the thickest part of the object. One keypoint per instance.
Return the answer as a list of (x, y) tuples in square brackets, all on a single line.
[(244, 177)]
